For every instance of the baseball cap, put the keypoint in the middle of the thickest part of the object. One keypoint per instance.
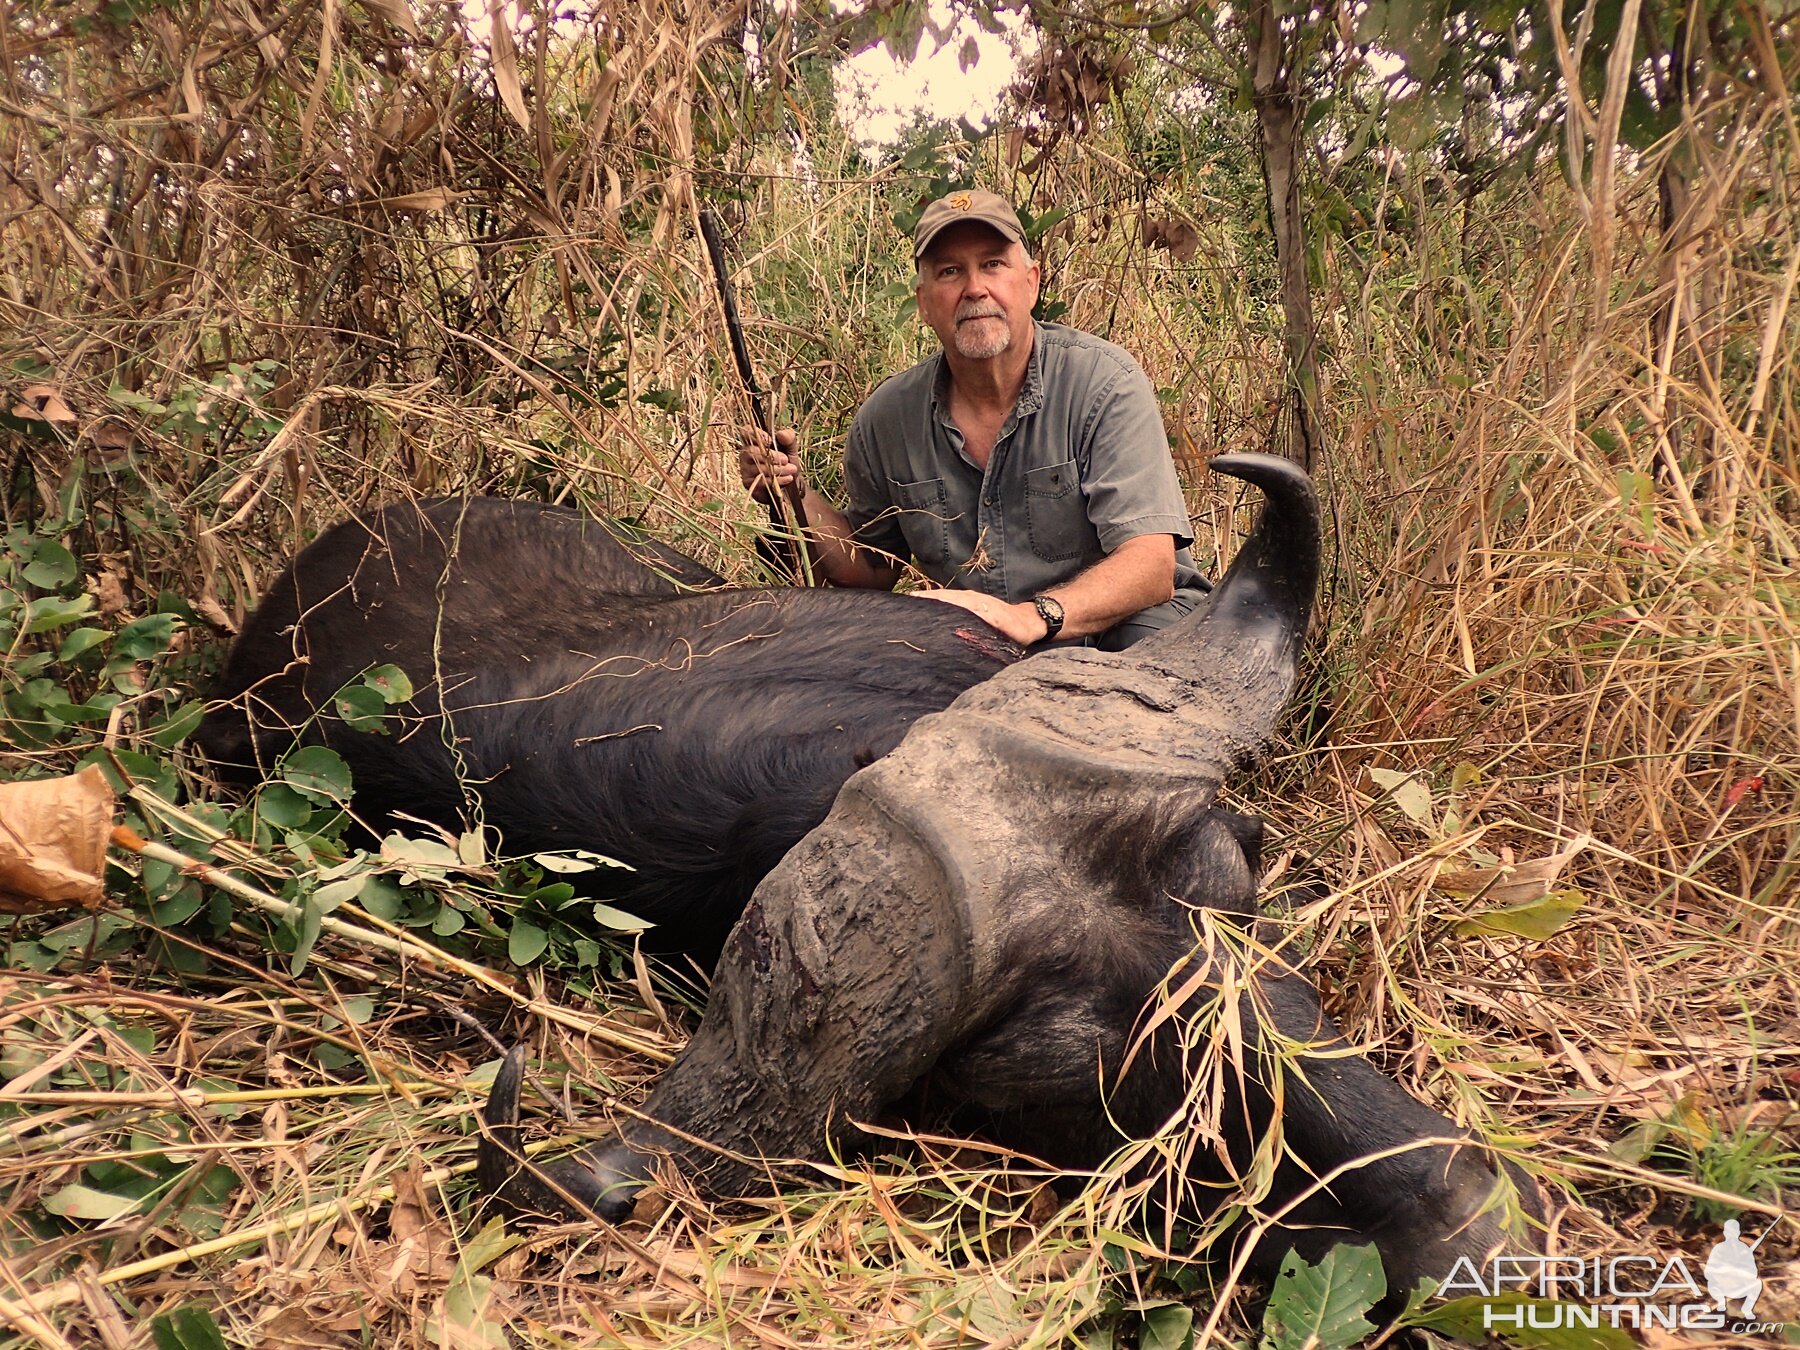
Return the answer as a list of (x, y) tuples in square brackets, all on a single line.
[(989, 208)]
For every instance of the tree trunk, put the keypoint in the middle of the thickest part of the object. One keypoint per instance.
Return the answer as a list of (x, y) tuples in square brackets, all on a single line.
[(1278, 114)]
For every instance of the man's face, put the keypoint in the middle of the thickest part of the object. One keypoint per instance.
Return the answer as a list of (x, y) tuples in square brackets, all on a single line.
[(976, 290)]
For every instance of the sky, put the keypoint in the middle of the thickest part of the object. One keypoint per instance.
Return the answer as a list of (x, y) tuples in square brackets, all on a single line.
[(879, 95)]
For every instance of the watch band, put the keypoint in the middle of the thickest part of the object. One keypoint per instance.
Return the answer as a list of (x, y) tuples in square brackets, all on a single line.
[(1050, 610)]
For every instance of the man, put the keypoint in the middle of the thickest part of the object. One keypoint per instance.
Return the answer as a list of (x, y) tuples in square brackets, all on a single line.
[(1023, 468), (1731, 1271)]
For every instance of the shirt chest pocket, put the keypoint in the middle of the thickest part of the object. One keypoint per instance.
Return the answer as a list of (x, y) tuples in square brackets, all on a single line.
[(924, 509), (1055, 511)]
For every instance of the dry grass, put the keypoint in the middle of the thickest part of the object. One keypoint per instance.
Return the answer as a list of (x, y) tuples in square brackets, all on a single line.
[(1564, 597)]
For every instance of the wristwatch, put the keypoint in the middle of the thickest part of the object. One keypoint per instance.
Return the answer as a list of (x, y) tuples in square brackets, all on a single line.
[(1050, 610)]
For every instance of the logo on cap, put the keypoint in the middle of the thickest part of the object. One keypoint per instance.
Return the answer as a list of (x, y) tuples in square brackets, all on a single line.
[(960, 201)]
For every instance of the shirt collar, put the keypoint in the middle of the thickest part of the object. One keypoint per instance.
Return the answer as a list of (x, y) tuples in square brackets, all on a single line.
[(1031, 396)]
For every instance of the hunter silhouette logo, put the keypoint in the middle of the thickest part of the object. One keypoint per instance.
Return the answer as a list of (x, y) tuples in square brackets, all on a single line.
[(1731, 1269)]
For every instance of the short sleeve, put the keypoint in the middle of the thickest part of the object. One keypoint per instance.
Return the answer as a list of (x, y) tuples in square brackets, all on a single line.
[(874, 522), (1127, 474)]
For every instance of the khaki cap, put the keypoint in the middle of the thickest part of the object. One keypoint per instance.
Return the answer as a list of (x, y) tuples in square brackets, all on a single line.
[(989, 208)]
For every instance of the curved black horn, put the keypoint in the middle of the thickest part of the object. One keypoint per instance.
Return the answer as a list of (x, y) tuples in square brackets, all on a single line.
[(1264, 602)]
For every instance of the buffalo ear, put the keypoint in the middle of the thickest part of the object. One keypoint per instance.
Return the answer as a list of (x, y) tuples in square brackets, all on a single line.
[(500, 1151), (585, 1186), (1248, 831)]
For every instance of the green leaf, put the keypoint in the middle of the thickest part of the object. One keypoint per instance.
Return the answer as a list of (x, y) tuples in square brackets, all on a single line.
[(383, 898), (1536, 920), (334, 893), (317, 772), (1466, 1320), (1167, 1326), (561, 862), (1603, 439), (1408, 792), (168, 602), (418, 853), (145, 638), (1635, 487), (25, 667), (308, 930), (156, 774), (619, 921), (178, 906), (1321, 1307), (41, 616), (32, 956), (51, 566), (81, 640), (362, 708), (493, 1241), (390, 682), (187, 1328), (526, 943), (96, 709), (90, 930), (465, 1308), (281, 806), (1640, 1141), (178, 725), (76, 1201), (1046, 222), (140, 1039)]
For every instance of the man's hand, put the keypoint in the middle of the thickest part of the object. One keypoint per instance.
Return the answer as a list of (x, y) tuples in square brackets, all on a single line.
[(762, 462), (1137, 574), (1022, 623)]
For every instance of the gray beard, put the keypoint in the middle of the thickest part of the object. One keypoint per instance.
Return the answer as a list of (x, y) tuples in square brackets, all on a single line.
[(977, 344)]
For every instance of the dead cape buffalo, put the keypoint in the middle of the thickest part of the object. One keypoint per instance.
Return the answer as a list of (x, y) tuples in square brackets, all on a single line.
[(573, 690), (985, 913)]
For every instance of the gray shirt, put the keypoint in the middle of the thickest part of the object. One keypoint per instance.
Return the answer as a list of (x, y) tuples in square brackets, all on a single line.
[(1080, 466)]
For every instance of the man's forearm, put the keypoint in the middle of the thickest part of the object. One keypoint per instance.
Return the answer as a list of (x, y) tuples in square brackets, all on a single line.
[(769, 465), (835, 553), (1136, 575)]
